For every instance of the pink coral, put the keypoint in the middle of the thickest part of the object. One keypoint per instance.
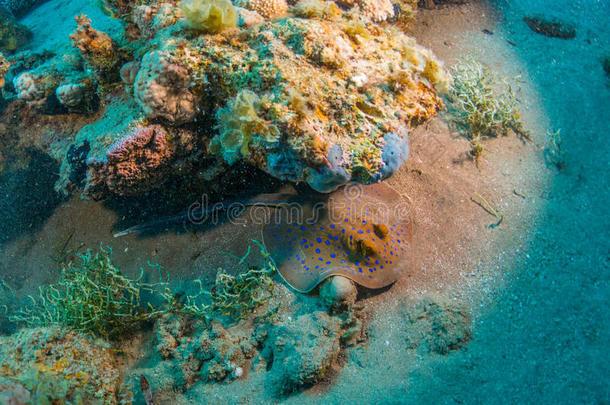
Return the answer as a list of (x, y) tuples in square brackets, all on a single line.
[(135, 164)]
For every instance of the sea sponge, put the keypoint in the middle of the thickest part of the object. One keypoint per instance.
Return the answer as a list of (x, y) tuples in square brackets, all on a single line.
[(240, 126), (135, 164), (210, 16), (267, 8)]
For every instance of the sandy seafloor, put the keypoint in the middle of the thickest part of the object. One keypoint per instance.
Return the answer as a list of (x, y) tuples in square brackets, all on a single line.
[(537, 286)]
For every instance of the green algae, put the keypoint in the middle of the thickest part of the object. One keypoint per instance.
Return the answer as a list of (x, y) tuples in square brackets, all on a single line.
[(486, 106), (95, 297)]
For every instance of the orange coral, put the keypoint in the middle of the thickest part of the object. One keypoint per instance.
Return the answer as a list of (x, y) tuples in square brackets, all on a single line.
[(97, 47)]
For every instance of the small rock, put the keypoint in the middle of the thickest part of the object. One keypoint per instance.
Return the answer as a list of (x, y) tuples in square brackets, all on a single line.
[(338, 293), (550, 28)]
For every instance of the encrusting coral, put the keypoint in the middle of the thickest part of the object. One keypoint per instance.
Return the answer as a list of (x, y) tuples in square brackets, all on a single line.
[(162, 89), (134, 164)]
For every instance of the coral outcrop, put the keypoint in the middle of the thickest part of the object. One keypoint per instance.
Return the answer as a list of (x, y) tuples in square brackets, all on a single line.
[(300, 360), (292, 90), (309, 93), (51, 365), (134, 164)]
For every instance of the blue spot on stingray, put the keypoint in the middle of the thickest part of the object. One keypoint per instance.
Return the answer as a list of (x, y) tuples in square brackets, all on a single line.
[(319, 240), (327, 242), (328, 262), (303, 228), (318, 251), (332, 226), (333, 255)]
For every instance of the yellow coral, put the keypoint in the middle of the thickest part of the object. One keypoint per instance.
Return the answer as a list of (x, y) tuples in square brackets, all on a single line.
[(316, 8), (211, 16), (241, 126), (267, 8)]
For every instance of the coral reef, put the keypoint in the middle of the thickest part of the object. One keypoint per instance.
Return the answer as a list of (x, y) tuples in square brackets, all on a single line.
[(12, 34), (298, 131), (300, 360), (53, 366), (327, 99), (269, 347), (192, 351)]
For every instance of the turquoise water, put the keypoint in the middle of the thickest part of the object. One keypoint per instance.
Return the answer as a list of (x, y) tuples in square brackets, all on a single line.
[(536, 326)]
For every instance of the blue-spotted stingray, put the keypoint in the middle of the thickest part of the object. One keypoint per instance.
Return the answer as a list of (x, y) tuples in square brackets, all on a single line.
[(361, 232)]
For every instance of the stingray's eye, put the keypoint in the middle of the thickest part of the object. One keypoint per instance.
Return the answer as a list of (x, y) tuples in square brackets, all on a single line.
[(380, 230)]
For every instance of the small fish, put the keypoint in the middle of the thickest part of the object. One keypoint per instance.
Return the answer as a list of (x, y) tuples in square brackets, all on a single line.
[(486, 31), (364, 235), (200, 213)]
